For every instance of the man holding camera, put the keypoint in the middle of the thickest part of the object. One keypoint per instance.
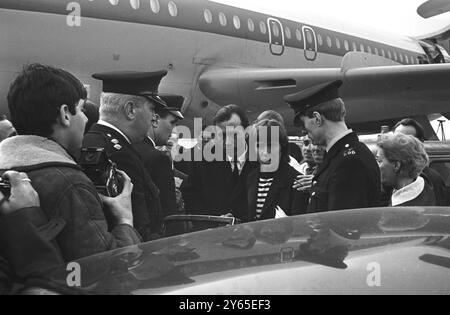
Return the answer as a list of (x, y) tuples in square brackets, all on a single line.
[(127, 110), (46, 108)]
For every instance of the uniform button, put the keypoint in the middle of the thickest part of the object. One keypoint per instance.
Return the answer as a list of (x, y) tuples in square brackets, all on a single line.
[(313, 194), (314, 183)]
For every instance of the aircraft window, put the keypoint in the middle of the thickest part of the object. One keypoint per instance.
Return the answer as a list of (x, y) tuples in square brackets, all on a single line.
[(354, 47), (320, 39), (222, 19), (262, 27), (208, 16), (382, 52), (298, 33), (309, 37), (407, 58), (154, 5), (173, 10), (114, 2), (135, 4), (288, 33), (369, 49), (276, 30), (236, 22), (389, 54), (401, 57), (395, 55), (251, 25), (376, 51), (361, 48), (346, 45), (329, 43), (338, 43)]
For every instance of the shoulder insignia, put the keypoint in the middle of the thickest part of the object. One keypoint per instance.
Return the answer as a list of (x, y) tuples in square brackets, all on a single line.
[(115, 141), (108, 135), (349, 152), (117, 147)]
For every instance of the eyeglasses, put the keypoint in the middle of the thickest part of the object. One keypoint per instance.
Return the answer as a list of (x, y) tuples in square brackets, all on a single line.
[(306, 142)]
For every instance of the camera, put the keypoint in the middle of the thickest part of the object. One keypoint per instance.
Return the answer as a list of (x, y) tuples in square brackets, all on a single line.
[(101, 171), (5, 187)]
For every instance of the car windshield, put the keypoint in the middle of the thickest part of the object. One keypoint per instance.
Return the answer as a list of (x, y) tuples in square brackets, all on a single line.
[(332, 242)]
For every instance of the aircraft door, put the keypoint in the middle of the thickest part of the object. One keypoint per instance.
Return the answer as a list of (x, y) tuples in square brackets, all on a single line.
[(310, 40), (276, 36)]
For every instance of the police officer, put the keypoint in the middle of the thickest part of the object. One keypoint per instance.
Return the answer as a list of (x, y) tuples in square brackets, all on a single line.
[(349, 176), (127, 111), (159, 164)]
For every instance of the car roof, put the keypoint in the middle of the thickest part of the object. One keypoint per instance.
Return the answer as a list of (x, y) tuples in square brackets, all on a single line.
[(330, 252)]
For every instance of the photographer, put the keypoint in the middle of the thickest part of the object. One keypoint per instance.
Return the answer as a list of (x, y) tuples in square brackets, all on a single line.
[(25, 253), (46, 108)]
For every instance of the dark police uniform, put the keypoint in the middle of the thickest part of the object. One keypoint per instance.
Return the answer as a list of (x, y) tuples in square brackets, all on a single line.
[(349, 177), (146, 204), (159, 165), (145, 196)]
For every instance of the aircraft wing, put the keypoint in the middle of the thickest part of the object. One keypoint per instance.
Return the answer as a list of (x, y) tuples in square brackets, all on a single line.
[(371, 93), (433, 7)]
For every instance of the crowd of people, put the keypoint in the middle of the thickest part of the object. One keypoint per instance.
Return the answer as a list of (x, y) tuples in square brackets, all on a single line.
[(54, 213)]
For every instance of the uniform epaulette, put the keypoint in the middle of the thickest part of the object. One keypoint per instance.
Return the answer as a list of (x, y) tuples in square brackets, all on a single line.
[(349, 151)]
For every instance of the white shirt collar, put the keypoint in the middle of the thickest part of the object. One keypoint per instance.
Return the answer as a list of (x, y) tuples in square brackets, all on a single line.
[(337, 138), (240, 161), (408, 193), (153, 142), (107, 124)]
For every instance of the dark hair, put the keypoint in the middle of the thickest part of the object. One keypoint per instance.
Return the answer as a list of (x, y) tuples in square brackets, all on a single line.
[(420, 132), (283, 139), (36, 96), (225, 113), (92, 113)]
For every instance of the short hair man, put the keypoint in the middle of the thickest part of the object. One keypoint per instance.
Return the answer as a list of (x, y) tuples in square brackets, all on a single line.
[(413, 128), (127, 110), (7, 130), (308, 165), (410, 127), (350, 176), (46, 107), (158, 163), (219, 187)]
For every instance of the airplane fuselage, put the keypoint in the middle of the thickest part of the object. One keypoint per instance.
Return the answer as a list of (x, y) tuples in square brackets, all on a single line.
[(188, 38)]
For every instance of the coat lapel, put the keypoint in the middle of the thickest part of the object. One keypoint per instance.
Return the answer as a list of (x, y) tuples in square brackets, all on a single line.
[(279, 183), (252, 192)]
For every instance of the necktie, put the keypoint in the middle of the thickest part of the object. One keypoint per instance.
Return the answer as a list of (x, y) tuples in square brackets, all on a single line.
[(235, 172)]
